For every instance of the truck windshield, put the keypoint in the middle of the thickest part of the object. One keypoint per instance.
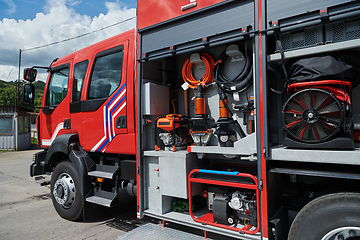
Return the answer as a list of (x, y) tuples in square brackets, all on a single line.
[(58, 87)]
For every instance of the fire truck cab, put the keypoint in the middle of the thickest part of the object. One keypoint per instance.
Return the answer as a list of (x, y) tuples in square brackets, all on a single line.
[(86, 122)]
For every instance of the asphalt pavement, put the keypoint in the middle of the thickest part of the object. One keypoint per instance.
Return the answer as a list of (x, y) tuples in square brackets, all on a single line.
[(26, 210)]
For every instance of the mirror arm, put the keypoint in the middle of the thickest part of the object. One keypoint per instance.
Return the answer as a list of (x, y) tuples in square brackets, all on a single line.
[(47, 68)]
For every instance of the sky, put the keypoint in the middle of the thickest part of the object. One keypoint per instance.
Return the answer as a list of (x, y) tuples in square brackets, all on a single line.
[(26, 24)]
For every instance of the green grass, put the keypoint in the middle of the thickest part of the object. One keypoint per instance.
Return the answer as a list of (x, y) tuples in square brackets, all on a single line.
[(33, 141)]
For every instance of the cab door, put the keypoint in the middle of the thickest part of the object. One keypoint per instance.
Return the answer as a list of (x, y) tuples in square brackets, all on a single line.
[(104, 109), (54, 115)]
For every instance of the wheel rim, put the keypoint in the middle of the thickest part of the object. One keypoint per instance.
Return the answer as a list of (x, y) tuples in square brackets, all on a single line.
[(343, 233), (64, 190), (312, 115)]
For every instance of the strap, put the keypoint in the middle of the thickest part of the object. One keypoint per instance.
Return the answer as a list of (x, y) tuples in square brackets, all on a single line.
[(282, 59)]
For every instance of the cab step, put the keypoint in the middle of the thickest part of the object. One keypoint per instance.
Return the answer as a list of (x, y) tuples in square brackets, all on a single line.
[(103, 198), (104, 171), (42, 180)]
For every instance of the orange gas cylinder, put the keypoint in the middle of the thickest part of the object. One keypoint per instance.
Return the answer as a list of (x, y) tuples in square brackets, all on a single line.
[(199, 102), (199, 106), (223, 112)]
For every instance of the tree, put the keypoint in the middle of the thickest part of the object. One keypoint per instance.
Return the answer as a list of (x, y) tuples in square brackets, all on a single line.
[(7, 96)]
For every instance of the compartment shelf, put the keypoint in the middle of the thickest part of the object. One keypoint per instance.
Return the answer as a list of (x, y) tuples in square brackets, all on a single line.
[(346, 45), (316, 156), (245, 147)]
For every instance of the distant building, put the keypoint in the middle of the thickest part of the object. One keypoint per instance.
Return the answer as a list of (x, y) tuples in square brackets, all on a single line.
[(15, 131)]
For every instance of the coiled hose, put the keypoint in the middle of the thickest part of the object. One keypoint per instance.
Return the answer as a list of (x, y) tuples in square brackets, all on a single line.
[(208, 76), (241, 82)]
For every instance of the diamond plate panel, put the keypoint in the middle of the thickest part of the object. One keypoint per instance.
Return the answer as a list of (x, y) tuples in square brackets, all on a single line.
[(152, 231)]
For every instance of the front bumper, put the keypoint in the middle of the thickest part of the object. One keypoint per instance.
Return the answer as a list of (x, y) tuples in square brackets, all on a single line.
[(38, 166)]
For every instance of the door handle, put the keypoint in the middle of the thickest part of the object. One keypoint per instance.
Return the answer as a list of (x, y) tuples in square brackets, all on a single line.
[(188, 6)]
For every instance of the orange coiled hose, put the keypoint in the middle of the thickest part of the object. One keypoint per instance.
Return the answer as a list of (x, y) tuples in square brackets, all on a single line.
[(208, 75)]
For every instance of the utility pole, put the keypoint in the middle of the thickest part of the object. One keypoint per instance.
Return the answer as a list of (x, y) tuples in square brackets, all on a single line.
[(17, 104)]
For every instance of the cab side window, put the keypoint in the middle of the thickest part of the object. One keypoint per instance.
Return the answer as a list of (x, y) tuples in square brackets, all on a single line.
[(106, 73), (78, 79), (58, 86)]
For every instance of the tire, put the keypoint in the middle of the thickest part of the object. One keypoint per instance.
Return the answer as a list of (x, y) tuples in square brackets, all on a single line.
[(333, 216), (65, 191)]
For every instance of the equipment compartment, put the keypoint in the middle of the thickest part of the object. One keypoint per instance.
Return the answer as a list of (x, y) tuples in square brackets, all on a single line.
[(208, 123), (197, 117), (301, 121), (208, 74)]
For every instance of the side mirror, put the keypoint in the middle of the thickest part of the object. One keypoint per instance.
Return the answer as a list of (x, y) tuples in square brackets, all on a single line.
[(28, 93), (30, 74)]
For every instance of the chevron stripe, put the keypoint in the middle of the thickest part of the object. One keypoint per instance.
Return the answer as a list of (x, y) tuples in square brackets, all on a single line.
[(48, 142), (110, 110)]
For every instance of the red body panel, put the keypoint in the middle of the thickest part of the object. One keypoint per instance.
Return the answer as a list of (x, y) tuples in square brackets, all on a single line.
[(137, 137), (150, 12), (124, 144), (262, 73)]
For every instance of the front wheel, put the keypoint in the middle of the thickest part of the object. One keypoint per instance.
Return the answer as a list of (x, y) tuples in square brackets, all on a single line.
[(330, 217), (65, 191)]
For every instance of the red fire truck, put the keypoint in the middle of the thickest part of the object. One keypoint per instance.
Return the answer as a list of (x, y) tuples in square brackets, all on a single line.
[(237, 117)]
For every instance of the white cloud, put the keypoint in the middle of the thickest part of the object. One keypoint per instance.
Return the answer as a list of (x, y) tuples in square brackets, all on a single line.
[(74, 3), (59, 21), (12, 6)]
